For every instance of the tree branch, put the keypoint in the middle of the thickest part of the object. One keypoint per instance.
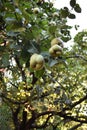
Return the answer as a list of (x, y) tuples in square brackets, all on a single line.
[(20, 67), (24, 120), (64, 115), (76, 103), (11, 100), (15, 117), (76, 56), (44, 124)]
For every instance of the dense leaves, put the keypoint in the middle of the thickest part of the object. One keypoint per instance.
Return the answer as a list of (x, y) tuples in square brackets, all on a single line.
[(54, 96), (5, 117)]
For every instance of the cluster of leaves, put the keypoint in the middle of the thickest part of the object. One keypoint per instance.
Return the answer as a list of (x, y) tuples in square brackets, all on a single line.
[(26, 32), (75, 6), (65, 12), (49, 98)]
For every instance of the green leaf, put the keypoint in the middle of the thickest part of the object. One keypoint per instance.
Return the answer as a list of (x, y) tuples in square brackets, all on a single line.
[(12, 34), (52, 29), (5, 60), (71, 16), (10, 20), (64, 12), (73, 3), (2, 48), (77, 8), (65, 39), (39, 73), (52, 62)]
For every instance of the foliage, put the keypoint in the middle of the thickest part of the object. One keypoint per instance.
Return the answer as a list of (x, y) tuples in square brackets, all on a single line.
[(53, 97), (5, 117)]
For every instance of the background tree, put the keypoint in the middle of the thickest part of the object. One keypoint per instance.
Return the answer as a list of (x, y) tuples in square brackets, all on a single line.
[(42, 83)]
